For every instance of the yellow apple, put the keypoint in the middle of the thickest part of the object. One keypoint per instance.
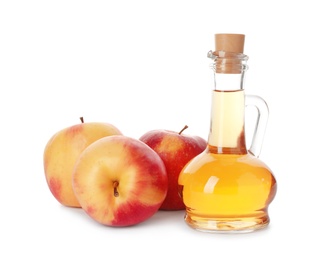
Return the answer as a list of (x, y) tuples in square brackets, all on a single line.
[(120, 181), (62, 151)]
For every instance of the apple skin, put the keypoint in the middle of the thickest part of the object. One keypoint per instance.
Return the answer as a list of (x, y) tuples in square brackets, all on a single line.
[(61, 153), (120, 181), (176, 150)]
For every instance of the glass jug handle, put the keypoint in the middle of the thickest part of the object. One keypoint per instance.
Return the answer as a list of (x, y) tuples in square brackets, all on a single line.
[(261, 122)]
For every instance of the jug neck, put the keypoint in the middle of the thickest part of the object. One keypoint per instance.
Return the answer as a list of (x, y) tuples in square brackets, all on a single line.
[(229, 70), (227, 134)]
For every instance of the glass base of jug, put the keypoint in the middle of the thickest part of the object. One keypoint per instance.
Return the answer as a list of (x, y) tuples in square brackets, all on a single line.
[(227, 225)]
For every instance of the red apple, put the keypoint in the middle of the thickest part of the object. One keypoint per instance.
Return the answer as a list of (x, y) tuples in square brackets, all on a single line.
[(120, 181), (176, 150), (62, 151)]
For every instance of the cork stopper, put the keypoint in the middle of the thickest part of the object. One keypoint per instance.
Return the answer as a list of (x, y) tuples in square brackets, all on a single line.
[(229, 42), (229, 53)]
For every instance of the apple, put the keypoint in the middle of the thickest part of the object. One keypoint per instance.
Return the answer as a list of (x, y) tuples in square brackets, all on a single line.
[(120, 181), (61, 152), (176, 150)]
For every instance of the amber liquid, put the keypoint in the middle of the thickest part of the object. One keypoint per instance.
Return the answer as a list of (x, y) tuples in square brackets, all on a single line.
[(225, 188)]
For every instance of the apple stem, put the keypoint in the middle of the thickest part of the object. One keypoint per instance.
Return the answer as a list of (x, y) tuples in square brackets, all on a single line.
[(185, 127), (115, 190), (81, 119)]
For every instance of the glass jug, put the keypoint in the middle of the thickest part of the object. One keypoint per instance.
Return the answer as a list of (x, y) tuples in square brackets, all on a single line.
[(227, 188)]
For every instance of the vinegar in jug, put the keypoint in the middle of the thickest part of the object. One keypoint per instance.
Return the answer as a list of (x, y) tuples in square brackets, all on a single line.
[(227, 188)]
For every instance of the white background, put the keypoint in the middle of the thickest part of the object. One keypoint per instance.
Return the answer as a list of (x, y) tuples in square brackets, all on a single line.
[(142, 65)]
